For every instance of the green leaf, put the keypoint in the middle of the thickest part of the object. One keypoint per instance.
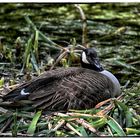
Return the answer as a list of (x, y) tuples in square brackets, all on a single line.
[(126, 112), (127, 66), (83, 131), (35, 46), (27, 54), (128, 118), (4, 117), (52, 45), (14, 125), (100, 122), (33, 124), (115, 126), (34, 63), (132, 131), (1, 81)]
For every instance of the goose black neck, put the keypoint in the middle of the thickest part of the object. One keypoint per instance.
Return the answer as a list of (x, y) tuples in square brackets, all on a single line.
[(92, 67)]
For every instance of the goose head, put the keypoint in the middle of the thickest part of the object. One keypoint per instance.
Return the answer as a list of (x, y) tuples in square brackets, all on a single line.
[(90, 60)]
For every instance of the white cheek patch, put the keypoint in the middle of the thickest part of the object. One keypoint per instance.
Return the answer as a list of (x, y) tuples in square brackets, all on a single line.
[(84, 58), (24, 93)]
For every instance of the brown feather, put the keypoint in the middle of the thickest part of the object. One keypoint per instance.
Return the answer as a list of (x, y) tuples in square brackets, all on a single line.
[(63, 89)]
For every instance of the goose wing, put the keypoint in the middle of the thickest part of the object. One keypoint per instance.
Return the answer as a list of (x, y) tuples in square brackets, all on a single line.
[(62, 89)]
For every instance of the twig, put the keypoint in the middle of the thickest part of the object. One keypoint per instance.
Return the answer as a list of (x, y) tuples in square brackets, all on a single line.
[(12, 86), (88, 126), (109, 107), (59, 58), (126, 84), (80, 47), (83, 17), (60, 114), (105, 111), (120, 97), (63, 54), (49, 126), (73, 129), (80, 114), (18, 134), (6, 125), (81, 121), (109, 130), (60, 123), (102, 103), (2, 110)]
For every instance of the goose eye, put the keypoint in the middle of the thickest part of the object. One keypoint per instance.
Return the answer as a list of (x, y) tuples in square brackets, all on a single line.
[(92, 55), (89, 54)]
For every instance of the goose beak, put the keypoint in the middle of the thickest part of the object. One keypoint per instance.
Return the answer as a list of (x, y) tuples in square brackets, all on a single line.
[(96, 63)]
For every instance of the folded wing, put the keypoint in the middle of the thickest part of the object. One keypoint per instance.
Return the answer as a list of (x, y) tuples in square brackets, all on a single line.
[(63, 89)]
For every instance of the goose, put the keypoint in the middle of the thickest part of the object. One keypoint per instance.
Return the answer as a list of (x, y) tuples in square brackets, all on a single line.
[(68, 88)]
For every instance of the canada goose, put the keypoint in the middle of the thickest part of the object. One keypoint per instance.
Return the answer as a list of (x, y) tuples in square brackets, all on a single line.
[(69, 88)]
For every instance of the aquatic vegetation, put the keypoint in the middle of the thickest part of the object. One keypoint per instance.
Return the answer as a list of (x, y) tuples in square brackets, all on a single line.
[(37, 40)]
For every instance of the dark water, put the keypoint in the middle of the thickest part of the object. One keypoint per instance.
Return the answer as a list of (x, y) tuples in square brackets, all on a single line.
[(114, 28)]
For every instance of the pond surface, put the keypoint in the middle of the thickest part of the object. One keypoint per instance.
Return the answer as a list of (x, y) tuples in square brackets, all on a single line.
[(114, 28)]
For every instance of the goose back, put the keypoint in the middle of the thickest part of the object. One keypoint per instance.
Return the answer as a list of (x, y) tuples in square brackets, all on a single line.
[(63, 89)]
